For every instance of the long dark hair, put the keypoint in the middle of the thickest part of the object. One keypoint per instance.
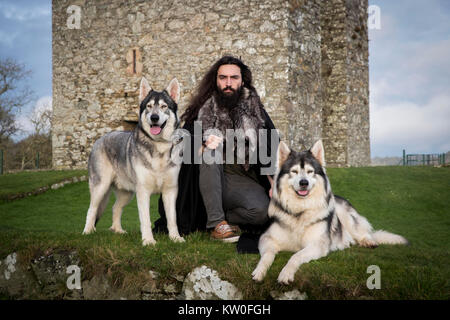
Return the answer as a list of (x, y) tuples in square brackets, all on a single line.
[(208, 86)]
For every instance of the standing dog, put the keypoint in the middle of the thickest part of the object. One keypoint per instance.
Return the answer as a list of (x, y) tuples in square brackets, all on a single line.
[(308, 219), (138, 162)]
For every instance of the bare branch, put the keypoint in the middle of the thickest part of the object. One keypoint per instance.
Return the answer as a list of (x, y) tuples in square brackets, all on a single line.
[(13, 95)]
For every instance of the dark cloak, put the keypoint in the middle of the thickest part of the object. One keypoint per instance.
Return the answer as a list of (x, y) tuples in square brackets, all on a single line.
[(191, 213)]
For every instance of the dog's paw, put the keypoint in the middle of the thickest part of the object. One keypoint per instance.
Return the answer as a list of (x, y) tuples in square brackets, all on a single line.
[(148, 242), (258, 275), (286, 276), (368, 243), (89, 230), (117, 230), (177, 239)]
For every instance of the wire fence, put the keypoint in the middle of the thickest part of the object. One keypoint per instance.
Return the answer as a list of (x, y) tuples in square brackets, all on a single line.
[(432, 159), (13, 162)]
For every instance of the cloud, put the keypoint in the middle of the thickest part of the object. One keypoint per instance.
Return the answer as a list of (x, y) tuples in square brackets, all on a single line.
[(7, 38), (409, 67), (25, 36), (410, 106), (412, 19), (23, 119), (407, 125), (43, 104), (414, 70), (23, 13)]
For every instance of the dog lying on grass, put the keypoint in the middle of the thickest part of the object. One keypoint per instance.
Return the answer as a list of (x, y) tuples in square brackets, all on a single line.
[(308, 218)]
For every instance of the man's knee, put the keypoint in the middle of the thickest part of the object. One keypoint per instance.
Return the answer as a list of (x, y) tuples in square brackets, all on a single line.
[(256, 216), (210, 175), (260, 215)]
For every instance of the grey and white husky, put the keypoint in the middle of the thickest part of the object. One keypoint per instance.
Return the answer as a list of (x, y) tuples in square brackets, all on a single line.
[(138, 162), (308, 219)]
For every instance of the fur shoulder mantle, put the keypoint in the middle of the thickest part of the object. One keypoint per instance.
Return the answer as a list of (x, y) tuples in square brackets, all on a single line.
[(248, 114)]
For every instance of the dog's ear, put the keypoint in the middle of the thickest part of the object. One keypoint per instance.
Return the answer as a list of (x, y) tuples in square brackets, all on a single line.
[(144, 89), (318, 152), (174, 90), (283, 154)]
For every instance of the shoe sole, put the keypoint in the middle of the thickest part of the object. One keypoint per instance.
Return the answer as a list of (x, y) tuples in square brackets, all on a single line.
[(230, 240)]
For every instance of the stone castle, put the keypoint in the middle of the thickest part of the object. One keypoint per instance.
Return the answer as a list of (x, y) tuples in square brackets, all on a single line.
[(309, 60)]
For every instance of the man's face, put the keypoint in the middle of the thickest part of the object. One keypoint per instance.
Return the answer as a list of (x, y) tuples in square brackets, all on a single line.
[(229, 79)]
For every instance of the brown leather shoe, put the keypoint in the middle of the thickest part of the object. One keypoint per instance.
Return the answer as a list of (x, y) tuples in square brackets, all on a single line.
[(235, 228), (223, 231)]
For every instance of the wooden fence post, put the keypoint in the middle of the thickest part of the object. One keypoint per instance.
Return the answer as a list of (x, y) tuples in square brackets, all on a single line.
[(37, 161)]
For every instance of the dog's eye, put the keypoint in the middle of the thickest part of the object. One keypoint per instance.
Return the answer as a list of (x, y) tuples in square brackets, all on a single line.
[(310, 171), (163, 106), (294, 172)]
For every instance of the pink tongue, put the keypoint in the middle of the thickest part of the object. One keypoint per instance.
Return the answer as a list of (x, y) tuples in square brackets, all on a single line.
[(155, 130), (302, 192)]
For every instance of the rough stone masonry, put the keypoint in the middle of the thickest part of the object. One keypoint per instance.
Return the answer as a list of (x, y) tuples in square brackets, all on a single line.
[(309, 60)]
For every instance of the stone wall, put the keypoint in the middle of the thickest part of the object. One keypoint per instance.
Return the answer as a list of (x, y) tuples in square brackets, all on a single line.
[(345, 82), (97, 68), (304, 99), (358, 149)]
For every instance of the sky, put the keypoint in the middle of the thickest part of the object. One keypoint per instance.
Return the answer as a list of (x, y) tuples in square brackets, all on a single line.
[(26, 36), (409, 69), (409, 77)]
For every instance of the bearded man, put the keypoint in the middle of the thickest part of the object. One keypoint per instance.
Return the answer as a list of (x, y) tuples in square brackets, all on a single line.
[(223, 197)]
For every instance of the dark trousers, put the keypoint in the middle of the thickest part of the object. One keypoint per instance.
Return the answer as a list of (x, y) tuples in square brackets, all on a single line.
[(237, 199)]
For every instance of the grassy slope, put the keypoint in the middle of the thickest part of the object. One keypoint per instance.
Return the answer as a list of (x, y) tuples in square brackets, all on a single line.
[(31, 180), (410, 201)]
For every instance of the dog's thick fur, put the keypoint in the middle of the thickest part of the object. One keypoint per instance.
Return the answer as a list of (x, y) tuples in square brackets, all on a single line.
[(308, 219), (138, 162)]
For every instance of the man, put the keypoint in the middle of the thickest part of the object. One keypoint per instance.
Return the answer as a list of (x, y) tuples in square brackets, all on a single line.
[(230, 194)]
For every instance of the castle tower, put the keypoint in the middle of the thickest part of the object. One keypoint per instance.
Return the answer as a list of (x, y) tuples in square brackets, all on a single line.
[(345, 82), (309, 60)]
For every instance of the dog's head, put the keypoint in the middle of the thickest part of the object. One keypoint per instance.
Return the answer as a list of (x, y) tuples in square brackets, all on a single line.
[(300, 176), (158, 110)]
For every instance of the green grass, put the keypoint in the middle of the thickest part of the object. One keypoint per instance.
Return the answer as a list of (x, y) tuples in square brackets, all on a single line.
[(412, 202), (29, 181)]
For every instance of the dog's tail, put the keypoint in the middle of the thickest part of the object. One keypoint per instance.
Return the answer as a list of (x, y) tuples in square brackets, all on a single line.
[(384, 237)]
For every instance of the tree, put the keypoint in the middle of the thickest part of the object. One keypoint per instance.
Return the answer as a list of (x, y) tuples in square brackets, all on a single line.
[(39, 141), (12, 98), (41, 118)]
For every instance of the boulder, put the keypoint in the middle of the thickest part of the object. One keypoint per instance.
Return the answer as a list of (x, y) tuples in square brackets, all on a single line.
[(98, 288), (16, 281), (204, 283), (288, 295), (50, 270)]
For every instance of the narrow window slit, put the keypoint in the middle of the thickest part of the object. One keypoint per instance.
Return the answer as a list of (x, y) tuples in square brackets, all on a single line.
[(134, 60)]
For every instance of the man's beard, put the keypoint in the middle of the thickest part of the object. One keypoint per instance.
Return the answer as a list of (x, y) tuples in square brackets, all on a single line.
[(228, 100)]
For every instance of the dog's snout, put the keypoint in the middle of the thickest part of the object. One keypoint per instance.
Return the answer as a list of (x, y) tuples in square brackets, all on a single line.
[(154, 118), (304, 183)]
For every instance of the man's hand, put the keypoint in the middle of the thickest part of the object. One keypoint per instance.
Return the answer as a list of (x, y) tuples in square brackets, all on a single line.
[(213, 142)]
